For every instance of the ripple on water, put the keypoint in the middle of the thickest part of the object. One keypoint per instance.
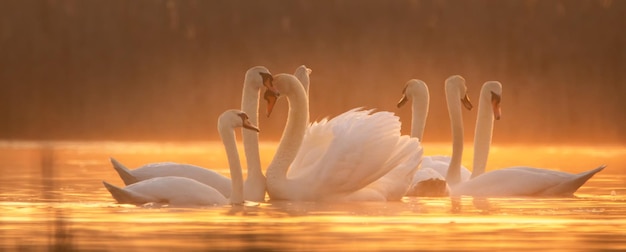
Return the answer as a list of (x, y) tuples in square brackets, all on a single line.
[(53, 198)]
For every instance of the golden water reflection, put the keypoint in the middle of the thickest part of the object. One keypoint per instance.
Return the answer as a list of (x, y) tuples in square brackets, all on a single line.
[(51, 198)]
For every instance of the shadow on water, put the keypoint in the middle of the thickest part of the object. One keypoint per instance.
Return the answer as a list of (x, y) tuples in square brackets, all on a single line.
[(52, 199), (60, 238), (480, 204)]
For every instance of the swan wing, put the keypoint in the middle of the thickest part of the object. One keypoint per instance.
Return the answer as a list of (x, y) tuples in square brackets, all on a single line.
[(123, 196), (503, 183), (572, 183), (202, 175), (394, 185), (519, 181), (426, 173), (441, 163), (175, 191), (428, 183), (356, 145), (317, 138)]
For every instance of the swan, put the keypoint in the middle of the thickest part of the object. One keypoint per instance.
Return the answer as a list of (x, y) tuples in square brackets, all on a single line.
[(303, 74), (182, 191), (512, 181), (429, 180), (254, 187), (337, 159)]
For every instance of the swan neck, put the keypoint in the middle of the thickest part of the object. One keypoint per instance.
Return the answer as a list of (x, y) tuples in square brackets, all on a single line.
[(254, 188), (453, 176), (250, 105), (304, 80), (419, 111), (482, 134), (230, 145), (289, 145)]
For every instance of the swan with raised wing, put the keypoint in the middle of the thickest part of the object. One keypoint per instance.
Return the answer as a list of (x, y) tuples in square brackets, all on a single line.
[(513, 181), (182, 191), (338, 159)]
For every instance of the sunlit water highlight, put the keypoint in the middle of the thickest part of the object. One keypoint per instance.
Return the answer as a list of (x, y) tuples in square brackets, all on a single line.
[(51, 197)]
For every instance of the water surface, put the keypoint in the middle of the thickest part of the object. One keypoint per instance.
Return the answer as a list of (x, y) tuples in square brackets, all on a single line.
[(51, 197)]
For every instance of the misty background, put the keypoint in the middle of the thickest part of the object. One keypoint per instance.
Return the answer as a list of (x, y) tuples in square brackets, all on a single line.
[(164, 70)]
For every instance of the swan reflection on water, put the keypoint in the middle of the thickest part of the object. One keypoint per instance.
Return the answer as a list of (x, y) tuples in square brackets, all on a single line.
[(52, 198)]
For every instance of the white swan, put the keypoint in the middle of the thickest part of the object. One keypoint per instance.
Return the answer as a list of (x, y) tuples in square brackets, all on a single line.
[(429, 180), (336, 158), (254, 187), (303, 74), (182, 191), (513, 181)]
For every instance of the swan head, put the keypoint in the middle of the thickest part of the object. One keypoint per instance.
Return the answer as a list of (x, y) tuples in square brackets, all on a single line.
[(414, 89), (287, 84), (303, 72), (456, 84), (492, 90), (234, 118), (258, 77)]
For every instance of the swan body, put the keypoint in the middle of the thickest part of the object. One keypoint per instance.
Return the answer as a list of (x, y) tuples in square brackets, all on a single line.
[(525, 181), (182, 191), (429, 180), (254, 186), (175, 191), (205, 176), (440, 164), (513, 181), (334, 159)]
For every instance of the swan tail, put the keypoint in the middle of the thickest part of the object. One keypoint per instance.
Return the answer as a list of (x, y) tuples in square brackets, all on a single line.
[(122, 196), (568, 188), (124, 172)]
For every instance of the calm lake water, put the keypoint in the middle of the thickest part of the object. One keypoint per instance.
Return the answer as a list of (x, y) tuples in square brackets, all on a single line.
[(52, 198)]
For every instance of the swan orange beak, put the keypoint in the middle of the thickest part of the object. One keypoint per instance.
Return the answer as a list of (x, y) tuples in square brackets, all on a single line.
[(246, 124), (495, 104), (466, 102), (271, 98), (268, 82), (404, 98), (402, 101)]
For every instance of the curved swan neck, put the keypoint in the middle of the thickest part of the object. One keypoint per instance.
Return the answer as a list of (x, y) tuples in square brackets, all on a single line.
[(482, 133), (230, 144), (290, 141), (453, 101), (419, 111), (250, 105), (302, 73)]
